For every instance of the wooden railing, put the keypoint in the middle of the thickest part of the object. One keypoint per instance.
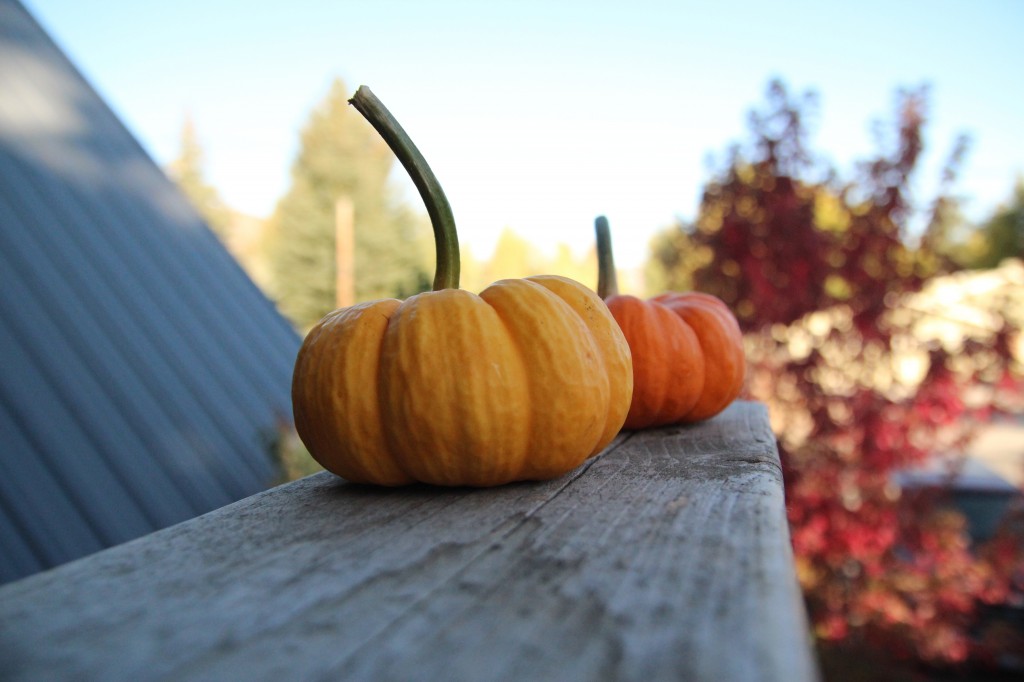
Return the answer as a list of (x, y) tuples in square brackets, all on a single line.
[(666, 557)]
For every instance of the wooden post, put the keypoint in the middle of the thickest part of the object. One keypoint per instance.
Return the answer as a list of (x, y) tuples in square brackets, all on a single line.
[(345, 247)]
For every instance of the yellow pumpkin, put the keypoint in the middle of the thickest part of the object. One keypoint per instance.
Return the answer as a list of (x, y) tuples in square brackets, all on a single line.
[(523, 382)]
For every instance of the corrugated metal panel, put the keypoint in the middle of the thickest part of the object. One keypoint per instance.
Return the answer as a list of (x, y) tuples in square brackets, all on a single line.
[(19, 560), (40, 503), (142, 371)]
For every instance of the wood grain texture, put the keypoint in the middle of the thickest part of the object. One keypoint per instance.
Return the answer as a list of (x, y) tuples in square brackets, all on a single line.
[(667, 557)]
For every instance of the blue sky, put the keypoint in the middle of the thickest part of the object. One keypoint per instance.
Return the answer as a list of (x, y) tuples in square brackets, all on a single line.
[(542, 115)]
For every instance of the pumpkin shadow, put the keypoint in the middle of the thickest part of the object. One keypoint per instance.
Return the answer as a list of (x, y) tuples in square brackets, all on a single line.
[(363, 493), (366, 491)]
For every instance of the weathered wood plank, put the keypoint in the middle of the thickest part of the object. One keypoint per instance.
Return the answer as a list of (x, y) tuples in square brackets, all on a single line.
[(667, 557)]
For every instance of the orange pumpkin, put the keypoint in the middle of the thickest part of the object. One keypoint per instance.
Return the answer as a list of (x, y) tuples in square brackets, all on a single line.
[(523, 382), (687, 349)]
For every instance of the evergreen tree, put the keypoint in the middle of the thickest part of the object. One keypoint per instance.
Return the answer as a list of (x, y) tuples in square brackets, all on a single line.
[(341, 155), (188, 172)]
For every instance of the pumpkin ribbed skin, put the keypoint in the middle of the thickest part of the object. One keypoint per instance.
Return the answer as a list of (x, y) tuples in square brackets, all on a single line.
[(523, 382), (688, 361), (721, 342)]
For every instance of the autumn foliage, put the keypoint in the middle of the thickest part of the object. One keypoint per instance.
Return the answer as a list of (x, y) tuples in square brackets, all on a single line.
[(821, 273)]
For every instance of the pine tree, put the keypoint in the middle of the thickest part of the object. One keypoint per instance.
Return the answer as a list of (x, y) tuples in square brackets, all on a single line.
[(188, 172), (341, 155)]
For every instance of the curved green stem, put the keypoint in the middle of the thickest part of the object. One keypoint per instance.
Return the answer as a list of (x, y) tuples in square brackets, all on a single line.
[(607, 281), (446, 240)]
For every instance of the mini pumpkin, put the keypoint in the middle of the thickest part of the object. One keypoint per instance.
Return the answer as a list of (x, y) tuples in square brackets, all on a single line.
[(523, 382), (687, 349)]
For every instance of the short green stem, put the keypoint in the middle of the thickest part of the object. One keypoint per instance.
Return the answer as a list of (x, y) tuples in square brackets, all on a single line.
[(446, 240), (607, 281)]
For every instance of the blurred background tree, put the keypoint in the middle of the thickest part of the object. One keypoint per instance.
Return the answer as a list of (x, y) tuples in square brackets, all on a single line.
[(514, 256), (824, 275), (188, 171), (1002, 236), (780, 216), (341, 155)]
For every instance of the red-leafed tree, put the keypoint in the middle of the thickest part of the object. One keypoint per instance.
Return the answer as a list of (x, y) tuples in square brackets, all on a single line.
[(825, 283)]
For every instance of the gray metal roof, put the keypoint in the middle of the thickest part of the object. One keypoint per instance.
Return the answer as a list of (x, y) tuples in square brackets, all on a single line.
[(142, 373)]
